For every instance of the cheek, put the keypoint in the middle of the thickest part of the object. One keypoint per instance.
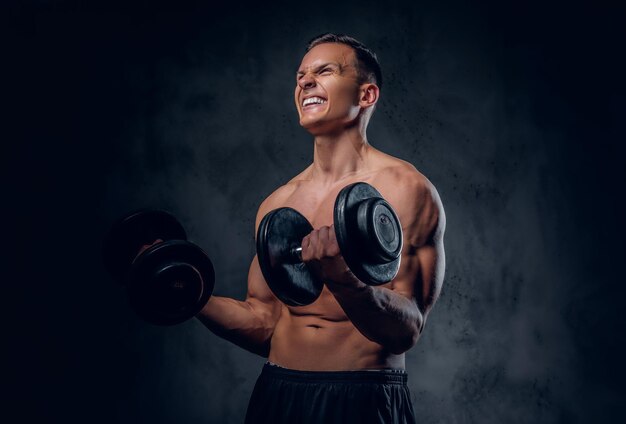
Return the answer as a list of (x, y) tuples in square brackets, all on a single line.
[(342, 94)]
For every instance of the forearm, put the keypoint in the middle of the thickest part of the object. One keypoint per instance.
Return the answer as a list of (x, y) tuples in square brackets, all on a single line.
[(239, 322), (381, 315)]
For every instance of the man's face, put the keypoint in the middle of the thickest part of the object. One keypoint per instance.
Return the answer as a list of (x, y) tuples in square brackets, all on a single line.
[(327, 88)]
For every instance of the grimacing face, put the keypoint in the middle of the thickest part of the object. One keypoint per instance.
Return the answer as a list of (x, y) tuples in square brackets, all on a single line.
[(327, 88)]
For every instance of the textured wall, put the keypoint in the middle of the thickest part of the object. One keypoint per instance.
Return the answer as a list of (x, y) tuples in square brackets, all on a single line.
[(512, 112)]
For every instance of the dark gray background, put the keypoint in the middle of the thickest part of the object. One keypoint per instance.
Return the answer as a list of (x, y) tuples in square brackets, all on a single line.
[(515, 113)]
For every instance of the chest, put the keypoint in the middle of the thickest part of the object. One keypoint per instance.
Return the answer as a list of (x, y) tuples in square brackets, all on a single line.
[(317, 203)]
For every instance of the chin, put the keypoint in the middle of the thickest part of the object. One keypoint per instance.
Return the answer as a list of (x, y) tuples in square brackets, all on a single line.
[(311, 129), (308, 123), (314, 118)]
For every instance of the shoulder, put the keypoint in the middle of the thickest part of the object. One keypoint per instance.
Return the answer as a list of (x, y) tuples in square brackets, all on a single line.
[(400, 179), (415, 199)]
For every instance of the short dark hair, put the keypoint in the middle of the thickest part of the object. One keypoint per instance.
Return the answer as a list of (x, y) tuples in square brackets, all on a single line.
[(368, 68)]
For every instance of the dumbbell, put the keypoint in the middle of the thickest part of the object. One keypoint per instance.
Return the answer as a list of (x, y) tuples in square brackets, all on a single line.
[(368, 232), (170, 281)]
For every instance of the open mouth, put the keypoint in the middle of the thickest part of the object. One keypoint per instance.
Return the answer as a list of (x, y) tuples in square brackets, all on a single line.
[(312, 102)]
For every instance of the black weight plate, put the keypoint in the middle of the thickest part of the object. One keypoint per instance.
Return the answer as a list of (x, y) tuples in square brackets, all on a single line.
[(171, 282), (379, 230), (353, 247), (130, 233), (280, 232)]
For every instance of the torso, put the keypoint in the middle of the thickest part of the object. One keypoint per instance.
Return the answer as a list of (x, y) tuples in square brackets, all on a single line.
[(320, 336)]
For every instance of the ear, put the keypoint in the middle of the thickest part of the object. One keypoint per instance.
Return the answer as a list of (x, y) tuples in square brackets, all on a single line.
[(368, 95)]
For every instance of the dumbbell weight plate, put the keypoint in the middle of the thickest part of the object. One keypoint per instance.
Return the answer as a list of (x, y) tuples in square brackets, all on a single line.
[(368, 233), (129, 234), (171, 282), (280, 232)]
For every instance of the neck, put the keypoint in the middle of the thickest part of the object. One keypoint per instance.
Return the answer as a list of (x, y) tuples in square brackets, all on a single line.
[(339, 155)]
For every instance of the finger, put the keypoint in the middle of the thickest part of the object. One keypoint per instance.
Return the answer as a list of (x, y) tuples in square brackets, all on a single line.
[(332, 241), (306, 243), (145, 247), (314, 240), (331, 234), (323, 237), (323, 232)]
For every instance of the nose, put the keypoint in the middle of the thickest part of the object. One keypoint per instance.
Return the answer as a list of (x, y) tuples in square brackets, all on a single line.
[(306, 81)]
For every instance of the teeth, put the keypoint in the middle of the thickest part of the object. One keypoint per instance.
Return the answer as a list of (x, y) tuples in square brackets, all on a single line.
[(311, 100)]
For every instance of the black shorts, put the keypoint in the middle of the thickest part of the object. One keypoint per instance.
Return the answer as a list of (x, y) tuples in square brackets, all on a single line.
[(282, 395)]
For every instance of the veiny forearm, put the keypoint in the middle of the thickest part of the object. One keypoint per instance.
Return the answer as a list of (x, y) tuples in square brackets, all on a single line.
[(239, 322), (381, 315)]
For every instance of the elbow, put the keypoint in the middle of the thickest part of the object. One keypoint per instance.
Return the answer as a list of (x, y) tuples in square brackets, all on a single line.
[(410, 337), (406, 342)]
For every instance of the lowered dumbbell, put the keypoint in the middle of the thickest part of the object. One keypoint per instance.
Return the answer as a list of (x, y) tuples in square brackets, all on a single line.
[(368, 232), (171, 280)]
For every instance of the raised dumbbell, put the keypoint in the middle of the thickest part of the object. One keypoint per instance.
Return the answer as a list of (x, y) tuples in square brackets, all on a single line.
[(170, 281), (368, 232)]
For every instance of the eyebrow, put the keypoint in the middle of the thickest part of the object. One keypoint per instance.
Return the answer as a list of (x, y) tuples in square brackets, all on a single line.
[(317, 68)]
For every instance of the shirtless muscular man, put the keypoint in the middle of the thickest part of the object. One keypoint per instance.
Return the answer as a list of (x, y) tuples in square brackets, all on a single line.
[(341, 358)]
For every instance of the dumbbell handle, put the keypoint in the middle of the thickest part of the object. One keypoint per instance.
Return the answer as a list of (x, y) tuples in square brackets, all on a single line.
[(296, 254)]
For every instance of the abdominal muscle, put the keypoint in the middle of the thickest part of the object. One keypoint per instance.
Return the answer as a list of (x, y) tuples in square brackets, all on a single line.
[(320, 337)]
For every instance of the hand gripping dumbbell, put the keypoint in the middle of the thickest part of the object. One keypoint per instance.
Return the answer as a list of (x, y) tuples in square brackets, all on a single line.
[(368, 232), (170, 281)]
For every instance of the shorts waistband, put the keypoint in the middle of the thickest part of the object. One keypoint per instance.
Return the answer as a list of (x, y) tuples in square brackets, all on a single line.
[(379, 376)]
